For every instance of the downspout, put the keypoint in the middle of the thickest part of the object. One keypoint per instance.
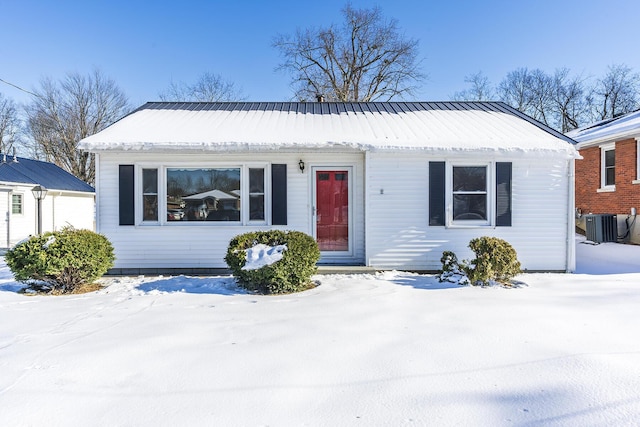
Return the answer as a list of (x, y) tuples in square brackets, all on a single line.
[(53, 212), (9, 210), (367, 155), (96, 200), (571, 219)]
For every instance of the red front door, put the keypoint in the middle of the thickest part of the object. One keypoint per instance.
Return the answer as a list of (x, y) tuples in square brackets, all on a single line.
[(332, 210)]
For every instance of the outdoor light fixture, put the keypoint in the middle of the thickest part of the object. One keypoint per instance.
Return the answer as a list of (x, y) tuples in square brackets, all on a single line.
[(301, 166), (39, 192)]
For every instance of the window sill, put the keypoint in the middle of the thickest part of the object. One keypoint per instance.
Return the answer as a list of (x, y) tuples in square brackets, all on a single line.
[(457, 225), (606, 190), (636, 181)]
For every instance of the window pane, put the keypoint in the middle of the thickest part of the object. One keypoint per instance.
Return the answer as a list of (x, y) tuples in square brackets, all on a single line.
[(203, 194), (610, 176), (150, 208), (256, 207), (256, 180), (469, 178), (256, 194), (16, 203), (610, 158), (469, 207), (150, 181)]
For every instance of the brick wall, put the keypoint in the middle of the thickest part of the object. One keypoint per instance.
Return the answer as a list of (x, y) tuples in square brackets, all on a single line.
[(626, 195)]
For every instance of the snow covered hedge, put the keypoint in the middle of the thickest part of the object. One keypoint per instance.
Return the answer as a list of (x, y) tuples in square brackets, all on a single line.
[(273, 262), (61, 261)]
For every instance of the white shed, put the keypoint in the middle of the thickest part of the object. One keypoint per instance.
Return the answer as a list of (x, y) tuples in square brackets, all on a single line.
[(68, 200), (390, 185)]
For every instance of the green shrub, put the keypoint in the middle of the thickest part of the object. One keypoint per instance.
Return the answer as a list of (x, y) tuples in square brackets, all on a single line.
[(451, 268), (61, 260), (496, 261), (290, 274)]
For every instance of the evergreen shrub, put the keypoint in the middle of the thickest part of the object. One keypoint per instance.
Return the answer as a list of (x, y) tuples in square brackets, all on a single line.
[(496, 261), (61, 261), (290, 274)]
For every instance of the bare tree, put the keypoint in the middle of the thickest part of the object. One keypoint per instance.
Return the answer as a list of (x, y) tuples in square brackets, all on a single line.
[(480, 89), (209, 87), (531, 92), (64, 112), (514, 90), (569, 102), (364, 59), (9, 124), (615, 94)]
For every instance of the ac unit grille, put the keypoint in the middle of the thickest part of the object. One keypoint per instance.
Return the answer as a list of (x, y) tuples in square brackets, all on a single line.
[(602, 228)]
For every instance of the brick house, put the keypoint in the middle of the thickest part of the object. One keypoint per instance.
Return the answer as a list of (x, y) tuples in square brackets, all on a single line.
[(608, 176)]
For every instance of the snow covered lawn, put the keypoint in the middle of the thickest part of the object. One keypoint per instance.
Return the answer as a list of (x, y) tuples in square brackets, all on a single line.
[(391, 349)]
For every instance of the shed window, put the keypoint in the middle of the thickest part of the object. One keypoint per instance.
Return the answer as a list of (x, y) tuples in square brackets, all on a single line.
[(16, 204)]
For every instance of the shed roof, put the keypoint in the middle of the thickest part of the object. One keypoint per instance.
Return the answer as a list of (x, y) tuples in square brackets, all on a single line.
[(623, 127), (52, 177), (358, 125)]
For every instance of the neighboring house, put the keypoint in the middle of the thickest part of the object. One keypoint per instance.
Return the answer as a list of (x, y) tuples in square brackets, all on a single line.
[(389, 185), (69, 200), (608, 176)]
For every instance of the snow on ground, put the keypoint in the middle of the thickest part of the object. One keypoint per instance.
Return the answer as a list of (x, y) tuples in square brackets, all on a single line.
[(390, 349)]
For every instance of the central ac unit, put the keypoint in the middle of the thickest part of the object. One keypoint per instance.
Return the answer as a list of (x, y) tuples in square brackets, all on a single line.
[(602, 228)]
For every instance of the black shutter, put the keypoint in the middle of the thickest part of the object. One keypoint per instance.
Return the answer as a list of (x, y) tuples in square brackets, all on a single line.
[(279, 194), (126, 195), (503, 194), (436, 193)]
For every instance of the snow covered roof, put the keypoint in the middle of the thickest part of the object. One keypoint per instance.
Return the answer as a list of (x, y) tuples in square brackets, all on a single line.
[(610, 130), (362, 126)]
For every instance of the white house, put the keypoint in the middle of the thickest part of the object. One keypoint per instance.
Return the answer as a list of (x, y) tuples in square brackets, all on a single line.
[(68, 200), (389, 185)]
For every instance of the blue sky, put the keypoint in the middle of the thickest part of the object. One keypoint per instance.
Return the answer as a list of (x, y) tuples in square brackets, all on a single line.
[(145, 45)]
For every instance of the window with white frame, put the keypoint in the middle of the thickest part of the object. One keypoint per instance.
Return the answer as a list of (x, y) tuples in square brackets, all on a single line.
[(469, 193), (150, 194), (608, 166), (16, 204), (204, 194), (256, 194), (210, 194)]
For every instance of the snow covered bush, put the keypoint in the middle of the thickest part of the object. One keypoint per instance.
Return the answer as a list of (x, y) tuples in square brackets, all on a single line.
[(61, 261), (290, 256), (452, 270), (496, 261)]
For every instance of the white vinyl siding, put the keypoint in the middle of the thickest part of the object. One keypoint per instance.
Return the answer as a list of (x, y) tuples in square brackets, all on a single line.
[(59, 209), (202, 245), (398, 234)]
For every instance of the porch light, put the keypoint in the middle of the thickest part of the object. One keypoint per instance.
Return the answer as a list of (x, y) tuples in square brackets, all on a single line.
[(39, 192), (301, 166)]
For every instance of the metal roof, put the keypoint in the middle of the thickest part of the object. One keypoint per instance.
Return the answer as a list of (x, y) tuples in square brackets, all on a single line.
[(27, 171), (359, 125), (609, 130)]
